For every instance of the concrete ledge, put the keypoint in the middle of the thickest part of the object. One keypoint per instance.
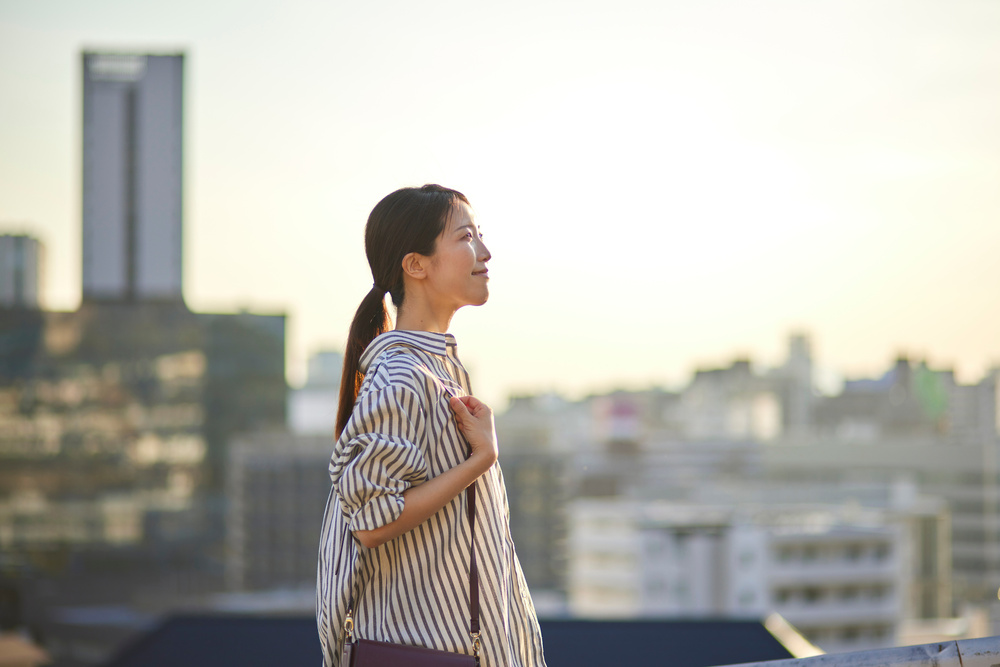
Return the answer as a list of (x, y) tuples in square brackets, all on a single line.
[(984, 652)]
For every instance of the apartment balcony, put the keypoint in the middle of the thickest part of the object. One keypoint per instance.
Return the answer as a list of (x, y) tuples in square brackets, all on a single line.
[(822, 572), (858, 612), (607, 542), (622, 579)]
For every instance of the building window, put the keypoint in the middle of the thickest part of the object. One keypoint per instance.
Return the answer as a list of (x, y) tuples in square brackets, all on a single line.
[(878, 592), (813, 594), (682, 591)]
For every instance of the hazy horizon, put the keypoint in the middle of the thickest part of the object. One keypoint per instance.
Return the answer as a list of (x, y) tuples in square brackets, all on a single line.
[(664, 186)]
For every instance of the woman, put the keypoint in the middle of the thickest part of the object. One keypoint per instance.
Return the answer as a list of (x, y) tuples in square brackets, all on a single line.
[(411, 437)]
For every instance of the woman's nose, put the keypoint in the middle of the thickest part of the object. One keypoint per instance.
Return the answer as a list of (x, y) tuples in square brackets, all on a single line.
[(484, 252)]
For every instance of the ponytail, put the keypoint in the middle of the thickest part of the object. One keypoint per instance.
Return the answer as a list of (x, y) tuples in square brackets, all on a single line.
[(408, 220), (371, 320)]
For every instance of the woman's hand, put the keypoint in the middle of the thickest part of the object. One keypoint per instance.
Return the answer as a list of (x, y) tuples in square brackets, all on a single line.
[(420, 501), (475, 421)]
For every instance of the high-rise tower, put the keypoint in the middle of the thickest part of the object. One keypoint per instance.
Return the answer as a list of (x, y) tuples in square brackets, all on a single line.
[(132, 176)]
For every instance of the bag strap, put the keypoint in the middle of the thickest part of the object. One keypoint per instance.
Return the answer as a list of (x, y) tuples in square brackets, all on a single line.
[(470, 497)]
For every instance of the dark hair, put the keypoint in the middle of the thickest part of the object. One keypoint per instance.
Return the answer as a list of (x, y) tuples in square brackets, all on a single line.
[(408, 220)]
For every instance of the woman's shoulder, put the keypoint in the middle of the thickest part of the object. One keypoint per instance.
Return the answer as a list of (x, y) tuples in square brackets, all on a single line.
[(404, 359), (398, 369), (414, 342), (393, 384)]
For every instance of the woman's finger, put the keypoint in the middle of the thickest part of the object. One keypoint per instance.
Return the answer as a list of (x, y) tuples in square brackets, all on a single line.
[(459, 408), (473, 404)]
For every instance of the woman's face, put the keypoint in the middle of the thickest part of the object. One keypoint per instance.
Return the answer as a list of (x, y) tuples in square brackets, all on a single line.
[(457, 274)]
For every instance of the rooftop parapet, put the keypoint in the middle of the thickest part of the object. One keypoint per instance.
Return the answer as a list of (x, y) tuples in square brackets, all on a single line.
[(984, 652)]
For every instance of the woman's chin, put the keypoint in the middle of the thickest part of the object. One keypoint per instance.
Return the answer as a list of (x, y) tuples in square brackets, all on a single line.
[(481, 299)]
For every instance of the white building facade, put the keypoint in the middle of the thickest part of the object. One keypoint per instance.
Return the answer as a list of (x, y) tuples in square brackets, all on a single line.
[(840, 580), (312, 408)]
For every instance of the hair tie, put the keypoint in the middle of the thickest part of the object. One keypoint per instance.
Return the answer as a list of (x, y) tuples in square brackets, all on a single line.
[(380, 289)]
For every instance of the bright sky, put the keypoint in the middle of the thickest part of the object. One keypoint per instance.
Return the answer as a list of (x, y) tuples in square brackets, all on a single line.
[(664, 185)]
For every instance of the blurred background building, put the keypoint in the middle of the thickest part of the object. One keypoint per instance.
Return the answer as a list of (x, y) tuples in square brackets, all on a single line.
[(867, 518), (839, 579), (312, 408), (133, 140), (20, 271), (277, 487), (116, 418)]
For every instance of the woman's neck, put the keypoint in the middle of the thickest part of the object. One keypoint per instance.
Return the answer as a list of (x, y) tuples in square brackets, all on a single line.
[(417, 315)]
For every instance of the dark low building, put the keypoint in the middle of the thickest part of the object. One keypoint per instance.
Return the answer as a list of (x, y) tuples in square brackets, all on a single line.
[(115, 420), (195, 641)]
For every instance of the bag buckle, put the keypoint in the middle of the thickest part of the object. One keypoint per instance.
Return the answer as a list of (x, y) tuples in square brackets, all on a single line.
[(348, 627)]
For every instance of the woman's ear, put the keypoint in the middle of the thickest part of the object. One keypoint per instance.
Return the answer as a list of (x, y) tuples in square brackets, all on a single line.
[(414, 266)]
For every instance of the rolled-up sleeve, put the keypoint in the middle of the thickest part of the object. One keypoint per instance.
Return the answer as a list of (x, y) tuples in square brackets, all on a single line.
[(380, 457)]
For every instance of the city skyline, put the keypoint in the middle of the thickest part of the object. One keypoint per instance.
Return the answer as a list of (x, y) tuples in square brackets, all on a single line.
[(681, 183)]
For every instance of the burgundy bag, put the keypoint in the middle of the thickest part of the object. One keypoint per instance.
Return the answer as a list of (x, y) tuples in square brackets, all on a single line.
[(368, 653)]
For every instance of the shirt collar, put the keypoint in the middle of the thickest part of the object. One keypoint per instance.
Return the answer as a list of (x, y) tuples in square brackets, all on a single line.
[(428, 341)]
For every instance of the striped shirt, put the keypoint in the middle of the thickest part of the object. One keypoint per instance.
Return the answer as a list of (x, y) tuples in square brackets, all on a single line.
[(414, 589)]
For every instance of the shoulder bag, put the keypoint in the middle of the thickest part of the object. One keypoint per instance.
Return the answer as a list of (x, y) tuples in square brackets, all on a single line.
[(369, 653)]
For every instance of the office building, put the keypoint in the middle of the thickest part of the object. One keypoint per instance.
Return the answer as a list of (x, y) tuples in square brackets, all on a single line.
[(132, 176), (277, 485)]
